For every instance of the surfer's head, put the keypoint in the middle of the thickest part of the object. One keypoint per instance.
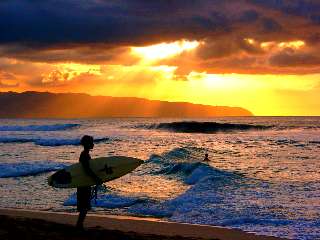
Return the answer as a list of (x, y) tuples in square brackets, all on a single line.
[(87, 142)]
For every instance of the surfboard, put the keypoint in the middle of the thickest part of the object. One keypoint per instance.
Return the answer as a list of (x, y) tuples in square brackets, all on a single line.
[(106, 168)]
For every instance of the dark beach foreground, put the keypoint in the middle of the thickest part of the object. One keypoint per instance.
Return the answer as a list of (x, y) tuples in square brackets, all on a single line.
[(35, 229), (27, 224)]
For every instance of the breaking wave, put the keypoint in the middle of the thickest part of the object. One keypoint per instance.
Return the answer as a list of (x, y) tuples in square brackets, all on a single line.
[(205, 183), (182, 163), (109, 201), (192, 173), (31, 128), (205, 127), (28, 169)]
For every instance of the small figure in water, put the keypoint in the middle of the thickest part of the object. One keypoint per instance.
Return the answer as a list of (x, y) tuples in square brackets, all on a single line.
[(84, 193), (206, 158)]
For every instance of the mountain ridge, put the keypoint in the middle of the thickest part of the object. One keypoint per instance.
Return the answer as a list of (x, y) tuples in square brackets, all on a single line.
[(31, 104)]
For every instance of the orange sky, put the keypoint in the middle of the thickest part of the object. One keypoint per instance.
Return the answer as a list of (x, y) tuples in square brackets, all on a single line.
[(258, 56)]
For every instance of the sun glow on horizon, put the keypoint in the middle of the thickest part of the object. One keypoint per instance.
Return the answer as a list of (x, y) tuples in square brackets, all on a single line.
[(152, 74), (261, 94), (263, 97)]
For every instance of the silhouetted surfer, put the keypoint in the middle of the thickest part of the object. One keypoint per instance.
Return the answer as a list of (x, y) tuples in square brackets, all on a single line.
[(206, 158), (84, 193)]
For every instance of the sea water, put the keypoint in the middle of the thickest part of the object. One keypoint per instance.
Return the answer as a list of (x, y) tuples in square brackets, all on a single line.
[(263, 178)]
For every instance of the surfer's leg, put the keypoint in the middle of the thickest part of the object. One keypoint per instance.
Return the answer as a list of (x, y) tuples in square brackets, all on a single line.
[(83, 204), (81, 218)]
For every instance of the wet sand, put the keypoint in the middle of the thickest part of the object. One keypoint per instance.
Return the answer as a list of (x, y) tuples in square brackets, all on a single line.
[(32, 224)]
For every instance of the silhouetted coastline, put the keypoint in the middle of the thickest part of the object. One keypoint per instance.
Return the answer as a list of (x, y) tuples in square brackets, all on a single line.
[(77, 105)]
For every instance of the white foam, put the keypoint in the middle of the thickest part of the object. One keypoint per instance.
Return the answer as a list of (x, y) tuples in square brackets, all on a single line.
[(106, 201)]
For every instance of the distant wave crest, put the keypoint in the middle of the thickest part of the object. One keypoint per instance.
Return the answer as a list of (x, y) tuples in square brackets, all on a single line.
[(28, 169), (31, 128), (205, 127), (48, 141)]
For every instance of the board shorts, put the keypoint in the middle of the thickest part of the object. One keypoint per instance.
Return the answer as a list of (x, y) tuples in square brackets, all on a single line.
[(83, 198)]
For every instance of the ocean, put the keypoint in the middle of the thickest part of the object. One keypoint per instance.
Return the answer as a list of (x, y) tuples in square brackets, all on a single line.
[(263, 175)]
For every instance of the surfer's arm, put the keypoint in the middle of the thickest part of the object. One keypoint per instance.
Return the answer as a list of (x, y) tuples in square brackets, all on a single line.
[(89, 172)]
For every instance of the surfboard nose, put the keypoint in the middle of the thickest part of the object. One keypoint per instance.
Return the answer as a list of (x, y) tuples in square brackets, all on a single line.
[(138, 161)]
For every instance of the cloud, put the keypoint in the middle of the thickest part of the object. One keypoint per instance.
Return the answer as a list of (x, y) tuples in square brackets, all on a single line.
[(7, 77), (5, 85), (134, 22), (306, 8), (219, 48), (52, 24), (97, 53), (270, 25), (287, 59), (233, 34)]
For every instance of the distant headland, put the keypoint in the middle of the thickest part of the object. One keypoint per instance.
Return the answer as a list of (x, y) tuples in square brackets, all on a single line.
[(78, 105)]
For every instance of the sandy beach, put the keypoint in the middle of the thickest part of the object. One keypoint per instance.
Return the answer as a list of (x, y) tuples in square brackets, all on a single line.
[(32, 224)]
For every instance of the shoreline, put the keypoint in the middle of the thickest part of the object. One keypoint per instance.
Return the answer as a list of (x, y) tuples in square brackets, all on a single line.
[(125, 226)]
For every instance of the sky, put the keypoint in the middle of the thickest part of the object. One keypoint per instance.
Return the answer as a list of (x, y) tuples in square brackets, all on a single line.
[(260, 55)]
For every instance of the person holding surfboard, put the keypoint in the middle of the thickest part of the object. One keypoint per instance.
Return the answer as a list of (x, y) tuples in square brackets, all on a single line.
[(206, 158), (84, 193), (87, 173)]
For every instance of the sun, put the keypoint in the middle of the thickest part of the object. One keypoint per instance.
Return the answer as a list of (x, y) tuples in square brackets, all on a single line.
[(164, 50)]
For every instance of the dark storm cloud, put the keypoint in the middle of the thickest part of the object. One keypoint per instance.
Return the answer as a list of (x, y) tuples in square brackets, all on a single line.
[(270, 25), (54, 22), (249, 16), (88, 53), (113, 22), (68, 23), (223, 48), (305, 8)]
